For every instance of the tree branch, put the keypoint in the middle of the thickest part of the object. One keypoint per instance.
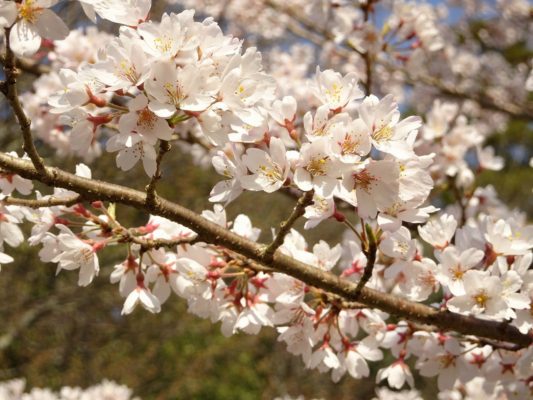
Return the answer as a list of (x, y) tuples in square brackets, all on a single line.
[(9, 89), (370, 250), (148, 244), (40, 203), (514, 110), (151, 195), (286, 226), (28, 66), (444, 320)]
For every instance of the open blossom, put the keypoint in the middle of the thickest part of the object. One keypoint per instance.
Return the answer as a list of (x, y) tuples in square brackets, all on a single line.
[(174, 33), (387, 132), (128, 156), (396, 374), (398, 244), (269, 169), (482, 295), (125, 274), (171, 88), (439, 231), (231, 167), (141, 295), (319, 210), (126, 65), (354, 358), (127, 12), (445, 362), (350, 141), (335, 90), (454, 265), (10, 231), (284, 110), (390, 218), (487, 159), (372, 186), (322, 124), (244, 86), (12, 182), (77, 254), (142, 121), (367, 169), (317, 169), (506, 239), (33, 21)]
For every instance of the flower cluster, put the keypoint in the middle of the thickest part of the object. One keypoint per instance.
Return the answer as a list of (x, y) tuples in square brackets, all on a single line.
[(15, 390), (322, 137)]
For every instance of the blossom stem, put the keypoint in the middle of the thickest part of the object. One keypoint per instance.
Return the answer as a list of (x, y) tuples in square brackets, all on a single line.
[(354, 230), (118, 107)]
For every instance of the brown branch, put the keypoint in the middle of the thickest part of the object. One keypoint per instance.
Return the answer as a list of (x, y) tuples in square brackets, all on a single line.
[(514, 110), (367, 57), (370, 250), (285, 226), (28, 66), (210, 232), (151, 195), (308, 30), (40, 203), (9, 89), (148, 244)]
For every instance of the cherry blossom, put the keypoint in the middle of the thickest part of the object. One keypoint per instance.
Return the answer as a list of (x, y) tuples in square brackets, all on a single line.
[(415, 229)]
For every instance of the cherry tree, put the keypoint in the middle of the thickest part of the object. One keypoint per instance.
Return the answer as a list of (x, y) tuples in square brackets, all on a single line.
[(442, 288)]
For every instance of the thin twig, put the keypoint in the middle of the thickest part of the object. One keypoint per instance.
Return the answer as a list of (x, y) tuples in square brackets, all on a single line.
[(151, 195), (367, 57), (370, 249), (524, 111), (9, 89), (149, 244), (28, 66), (285, 226)]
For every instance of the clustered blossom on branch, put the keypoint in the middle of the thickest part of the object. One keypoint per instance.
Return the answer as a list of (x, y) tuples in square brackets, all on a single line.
[(345, 153), (16, 390)]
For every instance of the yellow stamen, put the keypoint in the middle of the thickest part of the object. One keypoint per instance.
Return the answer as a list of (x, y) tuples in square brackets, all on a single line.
[(384, 133), (317, 166), (29, 12), (363, 180), (481, 298)]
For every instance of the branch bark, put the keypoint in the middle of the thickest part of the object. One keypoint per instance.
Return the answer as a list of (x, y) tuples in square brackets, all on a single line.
[(443, 320), (151, 195), (28, 66), (9, 89), (42, 203), (286, 226)]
